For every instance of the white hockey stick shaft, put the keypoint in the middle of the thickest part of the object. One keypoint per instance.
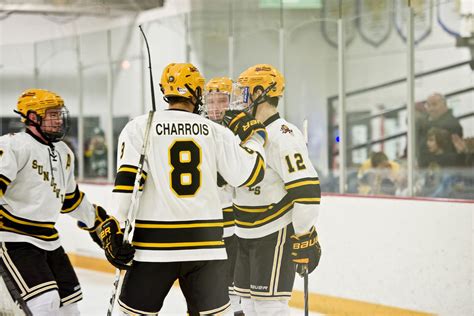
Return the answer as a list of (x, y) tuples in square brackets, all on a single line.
[(133, 208), (305, 276), (132, 211), (306, 293)]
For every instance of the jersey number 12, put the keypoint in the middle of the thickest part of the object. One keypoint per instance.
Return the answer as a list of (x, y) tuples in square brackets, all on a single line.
[(298, 163)]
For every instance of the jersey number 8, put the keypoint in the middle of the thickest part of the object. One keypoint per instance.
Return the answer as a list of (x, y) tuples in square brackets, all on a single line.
[(184, 157)]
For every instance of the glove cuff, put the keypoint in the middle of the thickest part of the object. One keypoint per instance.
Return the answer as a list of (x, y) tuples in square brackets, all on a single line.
[(100, 217), (306, 234)]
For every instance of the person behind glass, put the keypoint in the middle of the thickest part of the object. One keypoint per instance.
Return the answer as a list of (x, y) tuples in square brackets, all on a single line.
[(439, 145), (378, 175), (96, 154), (437, 179), (465, 148), (438, 116), (464, 186)]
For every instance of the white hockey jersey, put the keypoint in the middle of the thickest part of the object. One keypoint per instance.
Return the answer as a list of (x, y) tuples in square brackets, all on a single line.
[(36, 185), (180, 216), (289, 192)]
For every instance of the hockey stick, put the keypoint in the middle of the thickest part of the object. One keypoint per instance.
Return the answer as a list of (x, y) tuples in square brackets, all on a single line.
[(132, 210), (306, 300), (11, 287), (305, 275)]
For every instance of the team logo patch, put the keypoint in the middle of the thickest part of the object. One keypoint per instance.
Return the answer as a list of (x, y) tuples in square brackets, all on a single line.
[(285, 129), (182, 90), (263, 68)]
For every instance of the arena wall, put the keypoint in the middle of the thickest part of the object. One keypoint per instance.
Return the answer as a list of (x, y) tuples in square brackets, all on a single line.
[(380, 255)]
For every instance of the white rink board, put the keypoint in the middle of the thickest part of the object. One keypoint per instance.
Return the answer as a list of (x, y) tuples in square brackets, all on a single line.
[(410, 254)]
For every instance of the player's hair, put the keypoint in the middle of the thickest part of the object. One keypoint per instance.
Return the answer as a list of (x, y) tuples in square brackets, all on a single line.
[(273, 101), (378, 158), (174, 99)]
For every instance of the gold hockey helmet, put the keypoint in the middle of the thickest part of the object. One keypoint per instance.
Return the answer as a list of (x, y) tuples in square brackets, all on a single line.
[(53, 121), (216, 98), (219, 84), (182, 80), (38, 101), (263, 76)]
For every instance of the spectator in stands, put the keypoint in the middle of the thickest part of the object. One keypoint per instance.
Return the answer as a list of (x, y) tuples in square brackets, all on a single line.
[(439, 181), (437, 115), (432, 183), (462, 186), (378, 175), (439, 146), (96, 154), (465, 148)]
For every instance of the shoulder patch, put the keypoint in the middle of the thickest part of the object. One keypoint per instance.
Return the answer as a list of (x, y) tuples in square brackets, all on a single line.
[(285, 129)]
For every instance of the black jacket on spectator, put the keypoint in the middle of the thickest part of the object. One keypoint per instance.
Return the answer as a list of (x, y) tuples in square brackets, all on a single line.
[(448, 122), (445, 160)]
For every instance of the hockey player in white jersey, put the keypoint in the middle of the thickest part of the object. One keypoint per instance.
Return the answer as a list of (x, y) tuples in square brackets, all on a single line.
[(216, 102), (274, 219), (36, 185), (179, 225)]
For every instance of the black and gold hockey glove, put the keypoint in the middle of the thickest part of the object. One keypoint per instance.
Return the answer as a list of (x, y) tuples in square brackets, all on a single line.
[(244, 125), (306, 251), (100, 217), (118, 253)]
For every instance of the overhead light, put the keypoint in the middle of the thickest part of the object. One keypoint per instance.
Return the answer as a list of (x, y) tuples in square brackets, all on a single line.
[(125, 64)]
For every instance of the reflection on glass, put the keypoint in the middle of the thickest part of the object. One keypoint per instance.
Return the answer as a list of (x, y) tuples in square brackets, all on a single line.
[(230, 37), (444, 113)]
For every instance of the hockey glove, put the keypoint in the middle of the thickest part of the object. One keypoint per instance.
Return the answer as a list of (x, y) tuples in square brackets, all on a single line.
[(100, 217), (306, 251), (244, 125), (118, 253)]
